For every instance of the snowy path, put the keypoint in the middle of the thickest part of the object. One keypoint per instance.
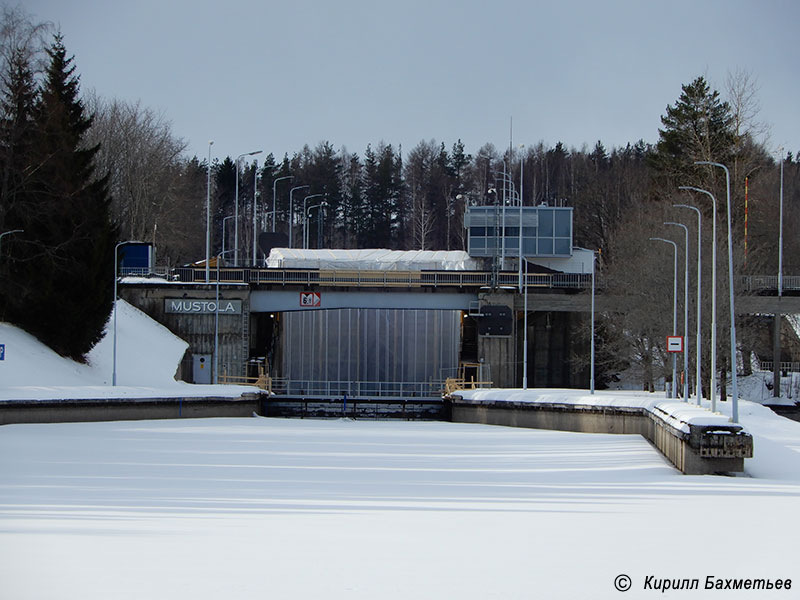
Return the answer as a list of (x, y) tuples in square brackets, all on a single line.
[(263, 508)]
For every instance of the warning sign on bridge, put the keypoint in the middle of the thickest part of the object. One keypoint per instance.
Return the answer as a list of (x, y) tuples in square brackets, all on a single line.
[(310, 299)]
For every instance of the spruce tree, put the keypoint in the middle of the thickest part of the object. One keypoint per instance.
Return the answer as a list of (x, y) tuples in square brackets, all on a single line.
[(699, 126), (63, 283), (16, 129), (16, 133)]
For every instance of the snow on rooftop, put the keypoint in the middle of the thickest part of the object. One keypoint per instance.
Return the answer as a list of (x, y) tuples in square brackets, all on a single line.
[(375, 259)]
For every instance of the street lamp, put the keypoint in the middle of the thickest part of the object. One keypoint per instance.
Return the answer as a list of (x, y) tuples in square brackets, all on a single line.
[(236, 211), (215, 380), (505, 179), (208, 211), (734, 383), (114, 335), (305, 218), (674, 304), (319, 228), (713, 293), (685, 309), (255, 211), (291, 209), (698, 380), (525, 330), (223, 230), (274, 214), (591, 343), (776, 339), (521, 168)]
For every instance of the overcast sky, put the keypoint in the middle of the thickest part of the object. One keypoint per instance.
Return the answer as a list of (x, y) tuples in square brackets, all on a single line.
[(260, 74)]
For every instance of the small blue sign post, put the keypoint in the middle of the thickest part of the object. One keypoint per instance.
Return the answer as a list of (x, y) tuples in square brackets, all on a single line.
[(2, 351)]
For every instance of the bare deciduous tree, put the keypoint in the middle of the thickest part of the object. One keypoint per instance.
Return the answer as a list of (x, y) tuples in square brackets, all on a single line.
[(147, 172)]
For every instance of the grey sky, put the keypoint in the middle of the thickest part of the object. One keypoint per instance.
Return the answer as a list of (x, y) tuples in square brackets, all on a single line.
[(272, 75)]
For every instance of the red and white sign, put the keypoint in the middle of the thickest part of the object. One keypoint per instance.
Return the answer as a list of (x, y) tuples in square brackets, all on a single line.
[(310, 299), (674, 343)]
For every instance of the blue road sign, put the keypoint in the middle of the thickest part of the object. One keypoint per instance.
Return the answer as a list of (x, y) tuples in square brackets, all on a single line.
[(2, 351)]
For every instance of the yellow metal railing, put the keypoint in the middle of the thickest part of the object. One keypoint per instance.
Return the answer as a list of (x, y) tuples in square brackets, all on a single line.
[(263, 380), (453, 384)]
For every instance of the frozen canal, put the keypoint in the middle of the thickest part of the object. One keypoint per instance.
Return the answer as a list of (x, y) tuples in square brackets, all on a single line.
[(263, 508)]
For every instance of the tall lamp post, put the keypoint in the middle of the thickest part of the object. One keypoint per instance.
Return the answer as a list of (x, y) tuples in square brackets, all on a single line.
[(776, 339), (223, 230), (734, 383), (215, 379), (713, 293), (685, 309), (521, 181), (208, 211), (274, 214), (319, 222), (525, 328), (305, 218), (591, 343), (698, 379), (674, 304), (114, 326), (236, 202), (255, 211), (291, 209)]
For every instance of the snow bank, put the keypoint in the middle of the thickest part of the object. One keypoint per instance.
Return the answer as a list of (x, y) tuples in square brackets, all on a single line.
[(140, 361), (27, 361), (148, 356)]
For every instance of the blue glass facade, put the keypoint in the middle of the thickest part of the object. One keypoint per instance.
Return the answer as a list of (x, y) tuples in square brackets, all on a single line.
[(495, 230)]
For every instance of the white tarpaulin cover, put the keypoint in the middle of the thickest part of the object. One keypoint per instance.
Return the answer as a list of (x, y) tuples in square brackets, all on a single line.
[(372, 260)]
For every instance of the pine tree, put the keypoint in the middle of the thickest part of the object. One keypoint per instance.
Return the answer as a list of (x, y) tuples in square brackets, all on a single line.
[(63, 281)]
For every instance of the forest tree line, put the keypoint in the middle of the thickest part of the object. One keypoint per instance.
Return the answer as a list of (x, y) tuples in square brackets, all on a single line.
[(388, 196)]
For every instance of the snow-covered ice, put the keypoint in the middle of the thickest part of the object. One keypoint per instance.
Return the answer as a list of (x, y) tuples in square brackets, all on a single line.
[(268, 508), (299, 509)]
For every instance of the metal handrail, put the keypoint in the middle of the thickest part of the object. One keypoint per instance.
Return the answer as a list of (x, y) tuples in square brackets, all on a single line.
[(358, 389), (371, 278), (754, 283), (785, 366)]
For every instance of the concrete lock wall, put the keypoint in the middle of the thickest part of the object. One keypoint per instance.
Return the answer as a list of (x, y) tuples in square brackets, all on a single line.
[(197, 328), (702, 451), (127, 409)]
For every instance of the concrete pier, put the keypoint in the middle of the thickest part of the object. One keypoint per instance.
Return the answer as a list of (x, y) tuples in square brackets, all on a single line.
[(704, 449)]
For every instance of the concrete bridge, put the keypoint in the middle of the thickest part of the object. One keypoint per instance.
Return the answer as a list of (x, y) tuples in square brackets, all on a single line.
[(253, 299)]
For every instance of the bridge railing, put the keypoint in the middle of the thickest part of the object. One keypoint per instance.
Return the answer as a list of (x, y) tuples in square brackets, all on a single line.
[(760, 283), (358, 389), (786, 367), (369, 278)]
